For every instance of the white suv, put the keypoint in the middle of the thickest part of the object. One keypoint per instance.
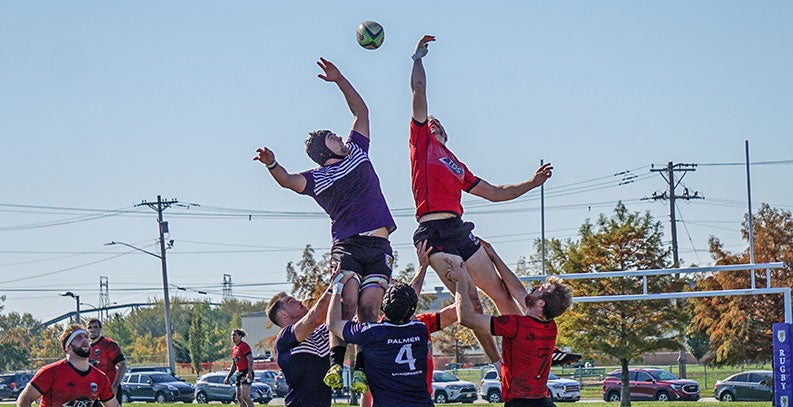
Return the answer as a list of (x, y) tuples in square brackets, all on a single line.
[(561, 389)]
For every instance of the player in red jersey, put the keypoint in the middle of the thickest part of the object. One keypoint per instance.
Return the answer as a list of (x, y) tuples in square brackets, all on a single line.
[(243, 365), (71, 382), (438, 178), (528, 341), (106, 356)]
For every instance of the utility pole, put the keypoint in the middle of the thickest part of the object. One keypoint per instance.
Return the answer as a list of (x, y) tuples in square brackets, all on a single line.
[(161, 206), (669, 177), (668, 174)]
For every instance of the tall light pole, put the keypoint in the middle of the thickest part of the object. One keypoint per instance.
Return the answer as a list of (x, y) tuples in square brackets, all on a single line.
[(77, 300), (166, 294)]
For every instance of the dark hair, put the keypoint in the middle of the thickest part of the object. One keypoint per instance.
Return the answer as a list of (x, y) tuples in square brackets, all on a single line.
[(239, 332), (92, 320), (558, 300), (274, 306), (316, 147), (399, 303)]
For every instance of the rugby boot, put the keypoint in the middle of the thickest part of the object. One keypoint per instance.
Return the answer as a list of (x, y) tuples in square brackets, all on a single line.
[(561, 357), (359, 382), (333, 377)]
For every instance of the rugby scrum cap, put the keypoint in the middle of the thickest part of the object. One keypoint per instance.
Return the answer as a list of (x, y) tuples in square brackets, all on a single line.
[(317, 149), (399, 303)]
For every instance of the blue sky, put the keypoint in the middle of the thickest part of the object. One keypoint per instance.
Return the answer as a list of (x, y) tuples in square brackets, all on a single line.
[(106, 104)]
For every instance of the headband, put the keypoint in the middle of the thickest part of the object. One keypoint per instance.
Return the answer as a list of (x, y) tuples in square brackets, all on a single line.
[(71, 337)]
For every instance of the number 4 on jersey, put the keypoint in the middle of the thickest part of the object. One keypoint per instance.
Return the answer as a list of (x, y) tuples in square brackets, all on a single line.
[(405, 355)]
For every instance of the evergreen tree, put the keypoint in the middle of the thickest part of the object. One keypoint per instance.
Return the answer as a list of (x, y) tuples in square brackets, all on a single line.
[(627, 329)]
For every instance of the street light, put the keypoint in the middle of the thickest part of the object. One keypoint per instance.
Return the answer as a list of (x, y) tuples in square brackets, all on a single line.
[(76, 299), (166, 294)]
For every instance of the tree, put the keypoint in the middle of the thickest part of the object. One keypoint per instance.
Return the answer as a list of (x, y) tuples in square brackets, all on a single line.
[(198, 338), (624, 330), (740, 326), (118, 329), (313, 277), (15, 332), (46, 347)]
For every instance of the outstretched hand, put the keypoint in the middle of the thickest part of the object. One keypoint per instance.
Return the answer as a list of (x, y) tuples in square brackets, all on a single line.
[(422, 47), (542, 174), (332, 74), (423, 252), (264, 155), (454, 271)]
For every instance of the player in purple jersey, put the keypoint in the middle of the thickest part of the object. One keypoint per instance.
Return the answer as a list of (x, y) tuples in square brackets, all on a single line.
[(302, 344), (395, 349), (347, 188)]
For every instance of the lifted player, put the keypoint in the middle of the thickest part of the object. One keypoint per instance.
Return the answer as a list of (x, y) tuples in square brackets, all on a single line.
[(347, 188)]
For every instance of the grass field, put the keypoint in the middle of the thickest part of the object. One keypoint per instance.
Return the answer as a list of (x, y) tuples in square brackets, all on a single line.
[(633, 404)]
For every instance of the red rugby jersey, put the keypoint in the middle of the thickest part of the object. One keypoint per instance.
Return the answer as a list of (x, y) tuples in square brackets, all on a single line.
[(105, 353), (433, 322), (239, 353), (527, 346), (437, 176), (61, 384)]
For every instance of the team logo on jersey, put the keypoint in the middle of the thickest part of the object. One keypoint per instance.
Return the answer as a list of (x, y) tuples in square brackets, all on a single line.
[(81, 402), (389, 261), (94, 388), (452, 165), (97, 351)]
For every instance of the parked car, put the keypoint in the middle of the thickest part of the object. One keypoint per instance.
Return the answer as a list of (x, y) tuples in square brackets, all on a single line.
[(560, 389), (756, 385), (447, 388), (275, 380), (155, 386), (163, 369), (11, 384), (210, 387), (650, 384)]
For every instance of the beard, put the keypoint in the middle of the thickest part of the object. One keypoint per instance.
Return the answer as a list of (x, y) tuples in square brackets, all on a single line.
[(531, 300), (81, 352)]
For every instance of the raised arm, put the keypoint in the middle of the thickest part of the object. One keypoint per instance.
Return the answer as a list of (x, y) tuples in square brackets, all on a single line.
[(418, 80), (316, 315), (360, 112), (515, 287), (423, 254), (295, 182), (466, 313), (498, 193)]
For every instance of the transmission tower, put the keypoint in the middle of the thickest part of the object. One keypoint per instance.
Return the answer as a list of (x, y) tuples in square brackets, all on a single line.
[(227, 295), (104, 296)]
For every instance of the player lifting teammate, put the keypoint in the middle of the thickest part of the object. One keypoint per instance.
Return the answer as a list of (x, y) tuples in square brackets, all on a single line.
[(347, 188), (438, 179)]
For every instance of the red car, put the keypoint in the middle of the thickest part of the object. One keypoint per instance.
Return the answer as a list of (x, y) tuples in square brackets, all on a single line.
[(650, 384)]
